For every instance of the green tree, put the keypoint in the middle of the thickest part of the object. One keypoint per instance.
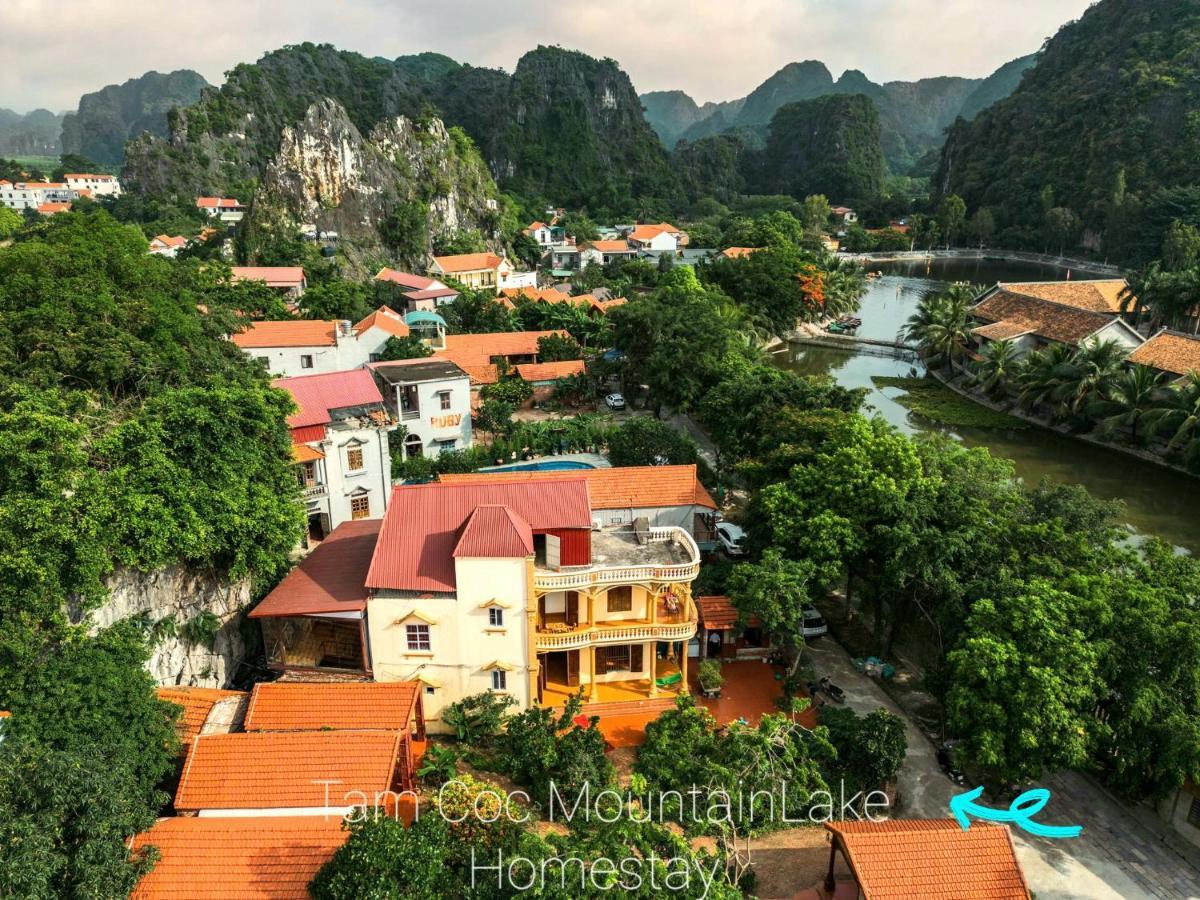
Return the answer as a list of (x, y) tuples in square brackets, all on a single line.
[(10, 221), (408, 347), (1181, 247), (951, 214), (1178, 417), (939, 326), (816, 212), (775, 590), (557, 347), (1062, 228), (1131, 394), (646, 441), (476, 312), (338, 300), (997, 367), (982, 226)]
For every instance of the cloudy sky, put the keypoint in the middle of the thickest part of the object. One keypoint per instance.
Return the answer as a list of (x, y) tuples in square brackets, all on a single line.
[(55, 50)]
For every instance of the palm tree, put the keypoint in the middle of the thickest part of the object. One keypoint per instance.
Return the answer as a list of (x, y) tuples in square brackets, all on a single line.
[(1179, 415), (939, 326), (1042, 373), (845, 284), (998, 366), (1171, 297), (1134, 393), (1093, 368)]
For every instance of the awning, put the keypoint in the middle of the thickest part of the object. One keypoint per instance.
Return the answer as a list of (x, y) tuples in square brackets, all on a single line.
[(303, 453)]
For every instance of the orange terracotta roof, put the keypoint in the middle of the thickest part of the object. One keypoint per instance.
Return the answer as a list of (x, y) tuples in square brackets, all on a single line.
[(1169, 351), (197, 703), (738, 252), (49, 209), (933, 859), (279, 770), (303, 453), (4, 714), (606, 305), (330, 579), (1098, 295), (1047, 319), (389, 320), (467, 262), (315, 706), (547, 294), (265, 858), (611, 246), (626, 487), (272, 276), (1004, 330), (534, 226), (648, 232), (89, 175), (479, 349), (295, 333), (549, 371), (716, 613), (170, 241)]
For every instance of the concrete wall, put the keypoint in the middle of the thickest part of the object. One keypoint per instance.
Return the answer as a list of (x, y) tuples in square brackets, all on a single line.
[(435, 424)]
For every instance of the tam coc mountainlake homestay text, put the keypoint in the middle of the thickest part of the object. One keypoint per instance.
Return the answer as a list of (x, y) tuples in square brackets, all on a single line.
[(402, 451)]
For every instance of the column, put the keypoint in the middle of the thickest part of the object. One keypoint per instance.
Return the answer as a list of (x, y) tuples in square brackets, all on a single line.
[(592, 679), (652, 646), (683, 668), (653, 601)]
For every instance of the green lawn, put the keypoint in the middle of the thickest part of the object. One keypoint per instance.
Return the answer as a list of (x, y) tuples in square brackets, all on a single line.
[(45, 163), (932, 400)]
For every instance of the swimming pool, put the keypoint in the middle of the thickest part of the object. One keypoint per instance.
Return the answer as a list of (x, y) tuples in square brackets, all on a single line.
[(543, 465)]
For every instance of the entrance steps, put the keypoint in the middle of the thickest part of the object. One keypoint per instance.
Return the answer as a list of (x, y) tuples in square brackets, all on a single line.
[(628, 707)]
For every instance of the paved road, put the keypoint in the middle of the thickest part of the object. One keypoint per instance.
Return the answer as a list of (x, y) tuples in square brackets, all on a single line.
[(1116, 857)]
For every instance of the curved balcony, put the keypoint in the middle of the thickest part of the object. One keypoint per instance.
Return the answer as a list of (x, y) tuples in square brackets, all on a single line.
[(674, 554), (615, 633)]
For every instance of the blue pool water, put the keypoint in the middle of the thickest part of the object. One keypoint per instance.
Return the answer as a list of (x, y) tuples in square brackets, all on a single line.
[(543, 465)]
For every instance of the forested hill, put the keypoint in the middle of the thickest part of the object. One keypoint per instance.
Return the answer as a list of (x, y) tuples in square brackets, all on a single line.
[(109, 117), (913, 114), (32, 134), (563, 125), (1104, 133)]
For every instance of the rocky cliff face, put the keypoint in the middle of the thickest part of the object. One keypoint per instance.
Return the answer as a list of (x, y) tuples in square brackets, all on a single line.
[(389, 193), (32, 134), (197, 615)]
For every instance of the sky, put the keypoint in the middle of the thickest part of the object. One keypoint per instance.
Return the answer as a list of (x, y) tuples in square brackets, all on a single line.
[(56, 50)]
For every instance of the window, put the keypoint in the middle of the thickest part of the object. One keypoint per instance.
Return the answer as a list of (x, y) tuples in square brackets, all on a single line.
[(496, 617), (444, 399), (307, 474), (613, 659), (360, 507), (499, 680), (620, 599), (266, 361), (429, 692), (417, 637), (306, 361), (354, 459)]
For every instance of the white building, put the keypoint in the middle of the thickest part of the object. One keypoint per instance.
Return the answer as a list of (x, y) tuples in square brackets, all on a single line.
[(99, 185), (227, 209), (21, 195), (431, 398), (530, 583), (167, 245), (656, 239), (308, 347), (603, 252), (541, 233), (288, 280), (340, 443)]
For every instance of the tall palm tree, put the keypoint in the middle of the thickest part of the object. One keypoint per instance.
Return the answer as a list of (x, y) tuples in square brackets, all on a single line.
[(939, 326), (1179, 415), (1134, 393), (1171, 297), (1041, 374), (997, 368), (1093, 368)]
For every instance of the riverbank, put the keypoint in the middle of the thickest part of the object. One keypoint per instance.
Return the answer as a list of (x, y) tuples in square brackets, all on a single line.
[(1099, 269)]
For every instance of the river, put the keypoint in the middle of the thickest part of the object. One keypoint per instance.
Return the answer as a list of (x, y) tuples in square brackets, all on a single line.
[(1157, 501)]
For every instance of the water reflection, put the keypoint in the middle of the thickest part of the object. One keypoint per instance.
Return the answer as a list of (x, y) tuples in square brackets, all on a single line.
[(1157, 500)]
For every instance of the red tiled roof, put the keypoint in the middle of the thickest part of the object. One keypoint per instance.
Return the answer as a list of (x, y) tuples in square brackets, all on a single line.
[(170, 241), (611, 246), (478, 349), (49, 209), (388, 320), (421, 527), (1047, 319), (716, 613), (1169, 351), (265, 858), (280, 770), (295, 333), (1098, 295), (432, 293), (405, 279), (197, 703), (316, 395), (931, 858), (738, 252), (216, 202), (625, 487), (314, 706), (551, 370), (494, 531), (273, 276), (330, 579), (467, 262), (648, 232)]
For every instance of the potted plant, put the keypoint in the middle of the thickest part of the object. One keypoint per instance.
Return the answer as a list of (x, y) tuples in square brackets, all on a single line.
[(710, 678)]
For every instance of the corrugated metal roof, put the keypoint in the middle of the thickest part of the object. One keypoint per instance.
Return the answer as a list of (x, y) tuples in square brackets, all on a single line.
[(313, 706), (494, 531), (316, 395), (421, 528), (330, 579)]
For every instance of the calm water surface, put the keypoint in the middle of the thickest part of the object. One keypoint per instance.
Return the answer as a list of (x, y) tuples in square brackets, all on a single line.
[(1157, 501)]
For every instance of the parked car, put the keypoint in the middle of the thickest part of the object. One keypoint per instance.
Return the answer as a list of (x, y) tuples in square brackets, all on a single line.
[(731, 538), (814, 623), (615, 401)]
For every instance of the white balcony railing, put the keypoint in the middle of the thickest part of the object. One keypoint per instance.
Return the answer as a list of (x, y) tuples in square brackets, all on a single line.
[(596, 575), (596, 635), (314, 490)]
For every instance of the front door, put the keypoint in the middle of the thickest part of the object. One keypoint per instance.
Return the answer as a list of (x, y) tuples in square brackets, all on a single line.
[(572, 668), (572, 608)]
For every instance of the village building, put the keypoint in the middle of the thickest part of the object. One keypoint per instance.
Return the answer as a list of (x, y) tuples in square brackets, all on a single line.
[(418, 292), (340, 445), (739, 252), (542, 233), (723, 634), (313, 346), (535, 586), (227, 209), (563, 260), (601, 253), (652, 240), (236, 857), (167, 245), (293, 773), (55, 196), (53, 208), (98, 185), (480, 271), (1030, 320), (337, 706), (288, 280), (901, 859), (204, 710), (843, 217), (482, 355), (431, 398), (1170, 352)]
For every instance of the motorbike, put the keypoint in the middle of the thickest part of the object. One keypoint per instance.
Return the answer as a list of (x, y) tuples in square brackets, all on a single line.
[(835, 693), (946, 762)]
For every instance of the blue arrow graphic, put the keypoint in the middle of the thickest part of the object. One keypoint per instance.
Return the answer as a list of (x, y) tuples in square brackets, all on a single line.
[(1020, 812)]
